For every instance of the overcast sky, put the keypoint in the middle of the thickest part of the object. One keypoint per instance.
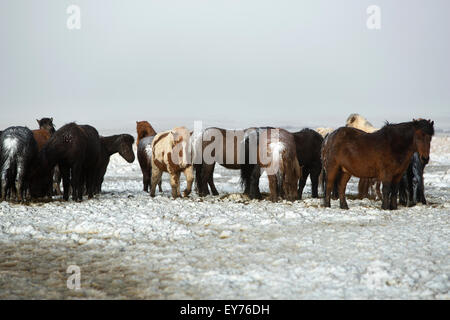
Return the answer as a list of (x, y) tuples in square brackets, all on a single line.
[(231, 63)]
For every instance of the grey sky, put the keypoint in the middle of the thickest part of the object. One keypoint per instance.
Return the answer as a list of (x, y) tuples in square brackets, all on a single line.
[(231, 63)]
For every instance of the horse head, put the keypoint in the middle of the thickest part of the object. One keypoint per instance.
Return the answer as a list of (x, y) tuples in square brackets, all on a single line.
[(47, 125), (359, 122), (181, 148), (423, 133), (126, 147)]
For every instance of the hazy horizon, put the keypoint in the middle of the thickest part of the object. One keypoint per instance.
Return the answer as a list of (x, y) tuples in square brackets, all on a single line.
[(226, 62)]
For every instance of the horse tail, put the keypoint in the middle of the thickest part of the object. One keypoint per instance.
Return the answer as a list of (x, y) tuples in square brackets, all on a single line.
[(323, 180)]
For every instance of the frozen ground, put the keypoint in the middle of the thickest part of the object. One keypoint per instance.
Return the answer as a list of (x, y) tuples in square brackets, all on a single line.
[(131, 246)]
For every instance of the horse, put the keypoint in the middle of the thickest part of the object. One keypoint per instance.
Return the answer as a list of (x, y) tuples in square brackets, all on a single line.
[(411, 187), (171, 152), (222, 146), (76, 150), (144, 129), (308, 144), (324, 131), (123, 144), (357, 121), (276, 154), (144, 155), (47, 125), (18, 153), (384, 154), (46, 129)]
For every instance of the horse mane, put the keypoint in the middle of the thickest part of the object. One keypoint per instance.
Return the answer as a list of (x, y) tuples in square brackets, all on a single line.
[(427, 126)]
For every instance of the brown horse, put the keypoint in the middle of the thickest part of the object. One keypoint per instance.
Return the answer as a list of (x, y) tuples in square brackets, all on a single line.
[(144, 129), (228, 147), (384, 155)]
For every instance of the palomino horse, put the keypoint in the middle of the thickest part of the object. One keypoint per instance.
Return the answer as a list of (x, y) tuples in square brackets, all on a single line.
[(384, 155), (308, 144), (171, 152), (276, 154), (122, 144), (143, 129), (18, 153)]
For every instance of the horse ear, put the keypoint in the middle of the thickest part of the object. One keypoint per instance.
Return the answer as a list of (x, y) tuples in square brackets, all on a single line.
[(51, 119), (432, 123), (39, 123)]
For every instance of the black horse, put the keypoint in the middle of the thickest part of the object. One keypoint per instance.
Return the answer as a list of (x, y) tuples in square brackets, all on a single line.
[(123, 144), (76, 150), (308, 144), (18, 153), (411, 187)]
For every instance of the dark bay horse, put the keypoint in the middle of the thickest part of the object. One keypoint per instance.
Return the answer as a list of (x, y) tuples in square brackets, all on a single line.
[(18, 154), (76, 150), (123, 144), (308, 146), (384, 155)]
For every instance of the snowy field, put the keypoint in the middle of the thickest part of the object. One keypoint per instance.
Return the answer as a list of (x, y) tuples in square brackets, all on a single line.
[(130, 246)]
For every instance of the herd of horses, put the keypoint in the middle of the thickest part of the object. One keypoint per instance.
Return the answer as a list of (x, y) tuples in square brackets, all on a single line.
[(33, 162)]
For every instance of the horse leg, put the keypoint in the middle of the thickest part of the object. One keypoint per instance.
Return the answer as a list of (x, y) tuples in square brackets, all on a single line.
[(273, 187), (206, 174), (421, 192), (331, 177), (394, 194), (65, 173), (342, 185), (254, 183), (335, 194), (302, 182), (402, 186), (159, 185), (175, 183), (156, 177), (386, 195), (57, 180), (4, 181), (19, 181), (314, 176), (211, 184), (77, 183), (189, 174), (146, 174)]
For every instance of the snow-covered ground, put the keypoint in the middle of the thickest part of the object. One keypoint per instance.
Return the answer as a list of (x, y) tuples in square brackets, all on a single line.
[(129, 245)]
